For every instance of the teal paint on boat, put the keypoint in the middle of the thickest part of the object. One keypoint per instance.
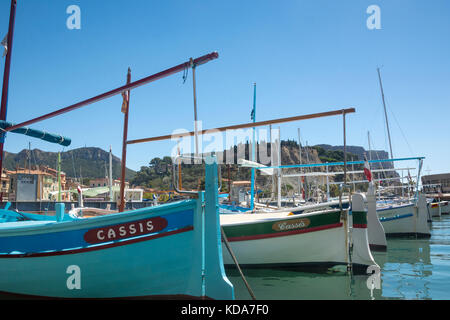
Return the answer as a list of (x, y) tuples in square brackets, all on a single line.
[(7, 215), (42, 135), (171, 250)]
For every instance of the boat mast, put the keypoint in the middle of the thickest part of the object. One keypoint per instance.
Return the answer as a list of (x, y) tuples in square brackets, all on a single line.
[(272, 157), (59, 177), (195, 110), (110, 175), (279, 169), (300, 162), (29, 157), (124, 145), (370, 152), (345, 147), (180, 186), (385, 113), (253, 117), (307, 181), (4, 101)]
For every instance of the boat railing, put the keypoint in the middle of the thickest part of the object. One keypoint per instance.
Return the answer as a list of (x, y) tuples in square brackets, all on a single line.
[(178, 169)]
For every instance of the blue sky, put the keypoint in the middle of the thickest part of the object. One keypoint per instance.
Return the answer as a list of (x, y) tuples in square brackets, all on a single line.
[(305, 57)]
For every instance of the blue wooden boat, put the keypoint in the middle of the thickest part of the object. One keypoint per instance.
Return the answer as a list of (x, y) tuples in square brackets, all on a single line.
[(7, 215), (167, 251)]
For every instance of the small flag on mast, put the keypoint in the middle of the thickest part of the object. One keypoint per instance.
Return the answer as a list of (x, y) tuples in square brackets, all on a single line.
[(367, 171)]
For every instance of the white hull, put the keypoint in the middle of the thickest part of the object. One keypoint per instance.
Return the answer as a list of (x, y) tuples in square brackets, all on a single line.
[(434, 209), (405, 220), (445, 207), (307, 248), (325, 243), (437, 209)]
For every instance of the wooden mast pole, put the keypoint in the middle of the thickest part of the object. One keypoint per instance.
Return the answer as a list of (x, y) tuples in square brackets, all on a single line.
[(5, 87), (124, 144), (195, 111), (180, 186)]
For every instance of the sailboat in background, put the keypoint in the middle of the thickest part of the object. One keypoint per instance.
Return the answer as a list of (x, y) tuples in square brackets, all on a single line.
[(403, 219)]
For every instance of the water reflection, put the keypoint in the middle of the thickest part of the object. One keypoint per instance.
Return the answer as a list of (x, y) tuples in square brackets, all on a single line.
[(406, 269), (290, 285), (410, 269)]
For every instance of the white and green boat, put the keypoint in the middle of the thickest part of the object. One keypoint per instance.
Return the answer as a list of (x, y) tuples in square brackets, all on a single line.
[(314, 241)]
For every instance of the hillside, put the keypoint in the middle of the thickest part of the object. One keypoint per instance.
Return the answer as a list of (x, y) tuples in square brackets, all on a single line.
[(92, 162), (158, 174), (89, 162), (360, 151)]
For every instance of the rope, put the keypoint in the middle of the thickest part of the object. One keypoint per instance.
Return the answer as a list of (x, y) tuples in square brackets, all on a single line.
[(225, 240)]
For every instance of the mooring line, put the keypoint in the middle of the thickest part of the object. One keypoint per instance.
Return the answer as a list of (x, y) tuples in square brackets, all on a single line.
[(225, 240)]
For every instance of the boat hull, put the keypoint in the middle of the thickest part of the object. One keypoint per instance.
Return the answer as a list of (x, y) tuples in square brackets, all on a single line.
[(171, 250), (312, 241), (407, 220), (435, 209), (119, 272), (445, 207)]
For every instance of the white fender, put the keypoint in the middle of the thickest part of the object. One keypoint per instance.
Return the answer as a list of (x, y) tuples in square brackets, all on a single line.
[(361, 256), (375, 230)]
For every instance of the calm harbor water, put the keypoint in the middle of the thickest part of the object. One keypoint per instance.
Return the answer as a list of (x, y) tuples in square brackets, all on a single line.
[(410, 269)]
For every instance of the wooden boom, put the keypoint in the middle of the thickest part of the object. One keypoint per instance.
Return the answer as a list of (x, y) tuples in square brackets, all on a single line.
[(195, 62), (248, 125)]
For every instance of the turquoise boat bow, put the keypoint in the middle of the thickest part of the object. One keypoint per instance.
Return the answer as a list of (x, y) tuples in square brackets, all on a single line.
[(168, 251)]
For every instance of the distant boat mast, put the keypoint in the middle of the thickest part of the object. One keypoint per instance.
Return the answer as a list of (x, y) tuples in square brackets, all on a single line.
[(110, 175), (385, 113)]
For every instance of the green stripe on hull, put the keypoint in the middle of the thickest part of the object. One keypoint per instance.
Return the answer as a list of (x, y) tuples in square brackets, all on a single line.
[(359, 217), (291, 223)]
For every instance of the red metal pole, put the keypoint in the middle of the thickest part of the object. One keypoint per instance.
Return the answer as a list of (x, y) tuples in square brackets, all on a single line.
[(199, 61), (124, 147), (4, 101)]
